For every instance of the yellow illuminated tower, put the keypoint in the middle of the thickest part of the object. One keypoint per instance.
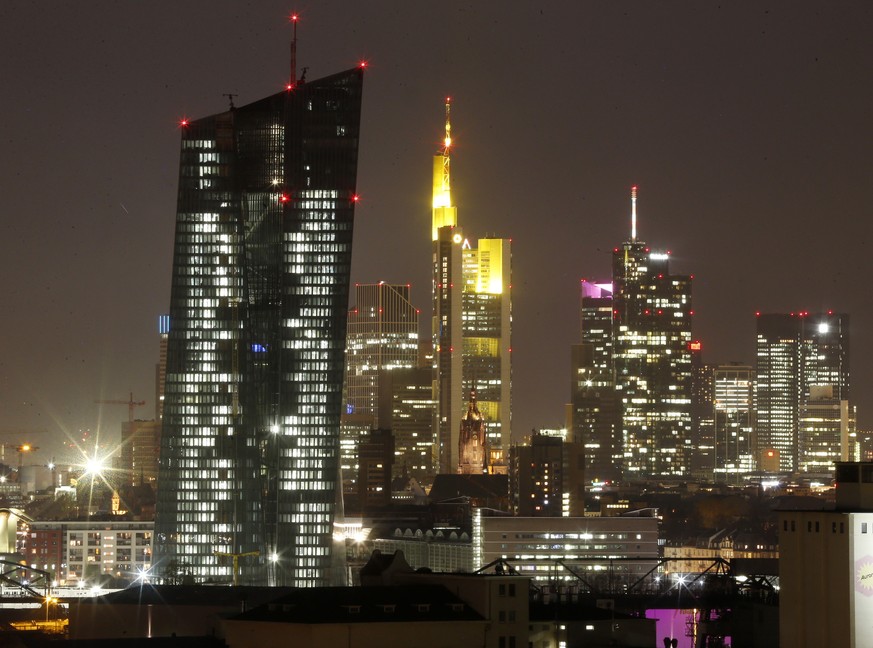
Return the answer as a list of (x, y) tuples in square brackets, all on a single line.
[(486, 313), (471, 323), (446, 325)]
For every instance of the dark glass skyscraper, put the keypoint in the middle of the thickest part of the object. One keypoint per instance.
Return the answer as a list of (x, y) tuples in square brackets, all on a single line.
[(255, 359)]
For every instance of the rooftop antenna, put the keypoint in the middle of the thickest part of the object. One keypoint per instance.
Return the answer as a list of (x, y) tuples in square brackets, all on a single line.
[(634, 213), (447, 171), (448, 140), (230, 98), (294, 18)]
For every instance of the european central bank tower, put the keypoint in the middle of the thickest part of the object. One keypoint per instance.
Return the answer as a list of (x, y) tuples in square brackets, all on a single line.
[(255, 359)]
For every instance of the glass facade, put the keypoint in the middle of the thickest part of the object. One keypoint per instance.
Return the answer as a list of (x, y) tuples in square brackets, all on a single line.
[(797, 355), (486, 315), (596, 415), (255, 354), (733, 421), (652, 338), (382, 337)]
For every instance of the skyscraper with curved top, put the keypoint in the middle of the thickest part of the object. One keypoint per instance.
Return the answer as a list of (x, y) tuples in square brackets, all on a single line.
[(255, 359)]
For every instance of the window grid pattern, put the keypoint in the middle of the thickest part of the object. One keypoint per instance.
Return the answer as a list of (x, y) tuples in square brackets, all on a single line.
[(257, 335)]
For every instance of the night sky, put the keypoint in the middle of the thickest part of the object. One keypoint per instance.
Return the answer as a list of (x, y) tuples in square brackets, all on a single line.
[(746, 126)]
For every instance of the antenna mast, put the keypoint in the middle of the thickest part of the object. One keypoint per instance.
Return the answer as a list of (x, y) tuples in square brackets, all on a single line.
[(447, 176), (294, 18), (634, 213)]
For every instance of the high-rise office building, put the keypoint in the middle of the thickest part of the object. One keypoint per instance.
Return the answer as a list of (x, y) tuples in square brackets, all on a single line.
[(382, 336), (733, 408), (595, 411), (407, 409), (796, 352), (702, 414), (256, 349), (446, 325), (472, 320), (486, 315), (140, 446), (376, 457), (651, 338), (826, 431)]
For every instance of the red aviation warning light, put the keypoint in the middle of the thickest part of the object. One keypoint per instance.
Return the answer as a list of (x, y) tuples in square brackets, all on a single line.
[(183, 122), (283, 198), (355, 198), (293, 18), (363, 65)]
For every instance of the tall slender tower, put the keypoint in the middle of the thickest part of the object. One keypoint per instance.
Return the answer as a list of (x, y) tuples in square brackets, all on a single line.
[(651, 337), (255, 359), (472, 323), (447, 290), (596, 415)]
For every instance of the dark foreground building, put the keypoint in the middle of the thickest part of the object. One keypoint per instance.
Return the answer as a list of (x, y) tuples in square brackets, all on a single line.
[(255, 359)]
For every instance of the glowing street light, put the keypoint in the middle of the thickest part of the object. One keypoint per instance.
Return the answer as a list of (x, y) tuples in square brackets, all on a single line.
[(48, 601)]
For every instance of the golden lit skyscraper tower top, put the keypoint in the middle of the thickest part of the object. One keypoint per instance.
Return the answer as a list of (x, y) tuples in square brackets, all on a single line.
[(444, 213)]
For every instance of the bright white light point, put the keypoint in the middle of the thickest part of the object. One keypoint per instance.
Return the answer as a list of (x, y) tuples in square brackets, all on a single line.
[(274, 429), (823, 327), (274, 557), (94, 466)]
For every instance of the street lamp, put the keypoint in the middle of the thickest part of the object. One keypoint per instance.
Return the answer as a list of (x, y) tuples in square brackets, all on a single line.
[(48, 601)]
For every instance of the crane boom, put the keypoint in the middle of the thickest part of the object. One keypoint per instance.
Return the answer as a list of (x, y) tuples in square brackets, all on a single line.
[(131, 404)]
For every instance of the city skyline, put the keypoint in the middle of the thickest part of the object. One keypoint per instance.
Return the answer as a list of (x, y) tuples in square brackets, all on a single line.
[(744, 127)]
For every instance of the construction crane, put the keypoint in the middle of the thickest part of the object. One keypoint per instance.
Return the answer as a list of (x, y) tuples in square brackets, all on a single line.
[(20, 448), (236, 557), (131, 404)]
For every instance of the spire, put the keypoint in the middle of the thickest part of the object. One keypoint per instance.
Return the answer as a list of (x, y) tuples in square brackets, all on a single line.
[(447, 155), (448, 140), (634, 213), (444, 213), (294, 17)]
